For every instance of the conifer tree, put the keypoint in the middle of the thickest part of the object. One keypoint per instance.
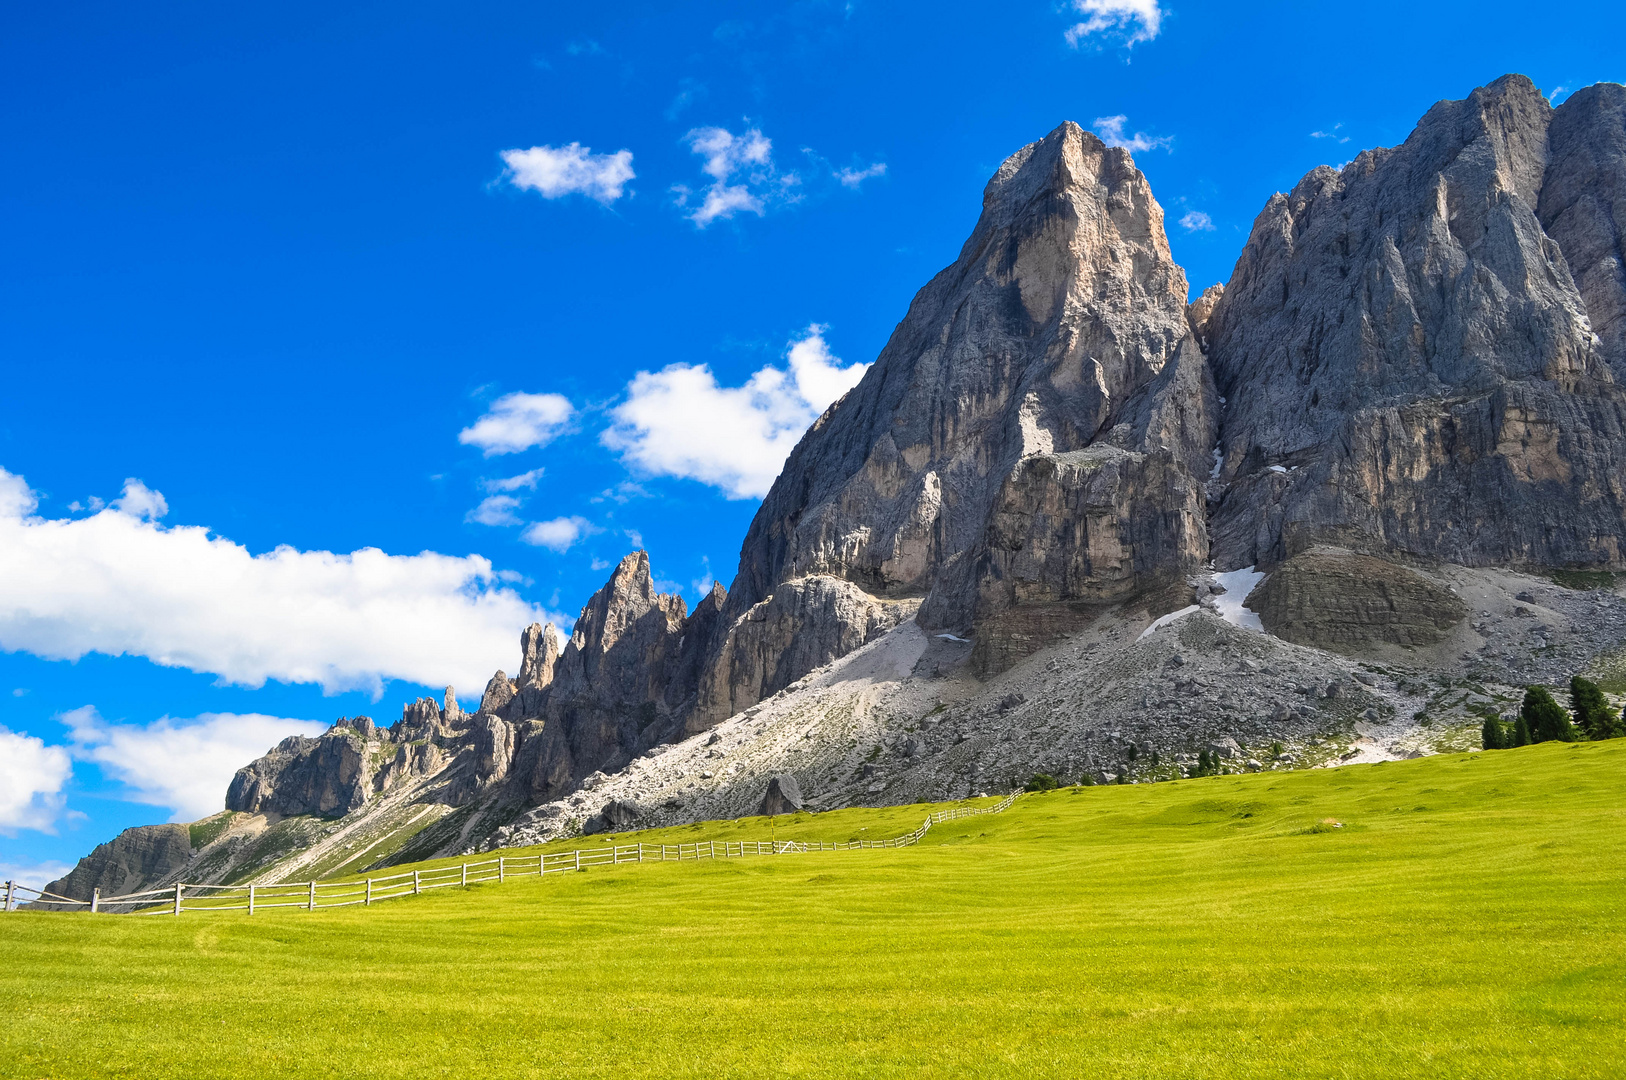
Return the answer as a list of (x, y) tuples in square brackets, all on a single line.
[(1491, 735), (1521, 731), (1592, 712), (1544, 718)]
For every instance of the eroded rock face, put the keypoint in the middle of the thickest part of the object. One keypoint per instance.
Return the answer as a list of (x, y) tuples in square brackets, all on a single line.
[(784, 795), (128, 863), (1062, 325), (1408, 362), (1583, 207), (1347, 603), (325, 776), (618, 686), (804, 625)]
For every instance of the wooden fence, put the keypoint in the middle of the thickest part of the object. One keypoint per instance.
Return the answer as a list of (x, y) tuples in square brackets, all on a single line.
[(310, 895)]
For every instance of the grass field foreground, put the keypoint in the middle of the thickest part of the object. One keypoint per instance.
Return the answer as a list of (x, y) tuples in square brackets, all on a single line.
[(1459, 915)]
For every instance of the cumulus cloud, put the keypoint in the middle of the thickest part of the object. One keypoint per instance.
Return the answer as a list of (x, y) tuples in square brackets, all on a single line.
[(743, 176), (852, 178), (141, 501), (118, 584), (496, 510), (679, 422), (517, 422), (1126, 21), (182, 765), (558, 534), (31, 779), (1111, 131), (556, 171), (1196, 221)]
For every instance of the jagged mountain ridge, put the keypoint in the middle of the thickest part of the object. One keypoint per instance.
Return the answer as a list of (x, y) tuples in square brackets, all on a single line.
[(1409, 363)]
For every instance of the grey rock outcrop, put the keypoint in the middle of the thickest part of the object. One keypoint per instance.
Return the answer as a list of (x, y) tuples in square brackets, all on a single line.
[(326, 776), (620, 685), (1061, 327), (805, 624), (784, 795), (1347, 603), (1408, 363), (128, 863), (499, 692)]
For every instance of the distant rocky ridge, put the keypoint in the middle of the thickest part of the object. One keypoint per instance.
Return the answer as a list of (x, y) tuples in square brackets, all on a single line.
[(1413, 377)]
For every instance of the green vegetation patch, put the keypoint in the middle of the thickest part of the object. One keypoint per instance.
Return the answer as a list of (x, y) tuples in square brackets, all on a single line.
[(1581, 580), (1448, 916), (205, 832)]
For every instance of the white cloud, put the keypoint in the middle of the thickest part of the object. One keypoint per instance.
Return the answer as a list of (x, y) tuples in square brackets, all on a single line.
[(1111, 131), (852, 178), (496, 510), (31, 779), (744, 179), (1331, 134), (727, 153), (1128, 21), (183, 765), (115, 584), (518, 422), (33, 875), (1196, 221), (141, 501), (526, 480), (557, 171), (558, 534), (724, 201), (679, 422)]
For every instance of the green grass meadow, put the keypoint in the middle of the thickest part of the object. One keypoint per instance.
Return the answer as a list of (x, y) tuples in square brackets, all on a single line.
[(1468, 920)]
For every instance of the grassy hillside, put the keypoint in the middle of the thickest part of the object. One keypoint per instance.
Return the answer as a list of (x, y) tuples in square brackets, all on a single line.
[(1468, 919)]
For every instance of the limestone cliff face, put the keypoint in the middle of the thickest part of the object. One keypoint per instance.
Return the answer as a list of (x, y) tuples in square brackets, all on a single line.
[(130, 862), (1583, 207), (1061, 327), (338, 772), (1348, 603), (1408, 362), (805, 624)]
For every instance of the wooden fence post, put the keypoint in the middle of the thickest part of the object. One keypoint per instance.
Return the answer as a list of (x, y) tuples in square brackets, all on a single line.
[(414, 883), (251, 899), (11, 895), (578, 858), (311, 905), (502, 870), (640, 851), (178, 888), (369, 901), (95, 901), (465, 875)]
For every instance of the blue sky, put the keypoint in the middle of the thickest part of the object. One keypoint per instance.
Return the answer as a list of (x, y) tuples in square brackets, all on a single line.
[(503, 291)]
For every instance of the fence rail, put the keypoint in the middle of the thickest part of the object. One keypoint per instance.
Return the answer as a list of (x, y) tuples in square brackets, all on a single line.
[(310, 895)]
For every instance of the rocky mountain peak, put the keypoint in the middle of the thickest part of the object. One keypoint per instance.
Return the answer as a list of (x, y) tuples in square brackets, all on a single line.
[(1060, 328), (539, 647)]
